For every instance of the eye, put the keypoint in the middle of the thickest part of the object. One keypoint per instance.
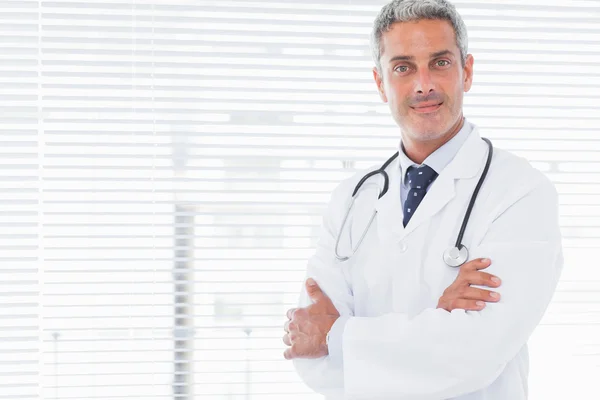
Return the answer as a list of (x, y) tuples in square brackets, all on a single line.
[(442, 63), (401, 68)]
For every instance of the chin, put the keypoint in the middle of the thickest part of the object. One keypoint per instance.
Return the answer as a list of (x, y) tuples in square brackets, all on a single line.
[(425, 132)]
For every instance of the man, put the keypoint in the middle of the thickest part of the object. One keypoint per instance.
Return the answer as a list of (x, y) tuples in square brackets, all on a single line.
[(393, 321)]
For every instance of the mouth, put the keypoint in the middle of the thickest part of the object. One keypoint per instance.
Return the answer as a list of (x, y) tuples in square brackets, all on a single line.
[(426, 109)]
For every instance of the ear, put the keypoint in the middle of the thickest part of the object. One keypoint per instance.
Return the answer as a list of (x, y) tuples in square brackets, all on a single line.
[(468, 73), (379, 81)]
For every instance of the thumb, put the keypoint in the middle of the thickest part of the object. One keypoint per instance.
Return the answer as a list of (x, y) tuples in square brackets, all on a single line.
[(313, 290)]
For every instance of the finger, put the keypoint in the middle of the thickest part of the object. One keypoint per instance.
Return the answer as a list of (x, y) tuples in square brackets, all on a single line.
[(314, 291), (482, 279), (286, 326), (290, 313), (286, 340), (464, 304), (480, 294), (476, 264)]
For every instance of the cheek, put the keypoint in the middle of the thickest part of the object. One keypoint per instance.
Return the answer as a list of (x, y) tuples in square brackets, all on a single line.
[(399, 105), (456, 98), (397, 94), (452, 93)]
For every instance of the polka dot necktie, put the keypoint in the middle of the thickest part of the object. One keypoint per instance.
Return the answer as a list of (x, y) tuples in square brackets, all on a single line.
[(418, 181)]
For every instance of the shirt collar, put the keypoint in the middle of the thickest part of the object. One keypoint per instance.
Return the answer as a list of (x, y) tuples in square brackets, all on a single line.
[(440, 158)]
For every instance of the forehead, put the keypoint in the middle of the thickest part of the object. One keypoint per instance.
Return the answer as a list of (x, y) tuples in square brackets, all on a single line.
[(418, 39)]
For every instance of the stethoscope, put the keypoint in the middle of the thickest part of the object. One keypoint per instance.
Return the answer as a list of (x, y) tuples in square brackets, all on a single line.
[(454, 256)]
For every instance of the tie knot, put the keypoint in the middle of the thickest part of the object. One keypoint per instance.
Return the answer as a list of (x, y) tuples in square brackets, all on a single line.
[(420, 178)]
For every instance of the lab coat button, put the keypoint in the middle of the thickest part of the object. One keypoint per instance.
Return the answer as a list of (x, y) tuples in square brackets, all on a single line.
[(402, 247)]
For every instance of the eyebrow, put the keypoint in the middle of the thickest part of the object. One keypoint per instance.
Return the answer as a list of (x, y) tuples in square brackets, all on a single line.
[(432, 55)]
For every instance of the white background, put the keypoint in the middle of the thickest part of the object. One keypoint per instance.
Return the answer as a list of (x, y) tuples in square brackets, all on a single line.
[(153, 152)]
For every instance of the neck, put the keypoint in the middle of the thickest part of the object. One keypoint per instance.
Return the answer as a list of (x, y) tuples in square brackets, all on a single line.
[(419, 151)]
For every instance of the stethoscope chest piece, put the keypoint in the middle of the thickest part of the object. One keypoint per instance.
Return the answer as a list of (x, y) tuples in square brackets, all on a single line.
[(455, 257)]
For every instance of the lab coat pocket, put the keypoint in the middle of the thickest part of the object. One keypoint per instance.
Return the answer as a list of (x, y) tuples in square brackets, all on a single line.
[(373, 283), (437, 274), (366, 262)]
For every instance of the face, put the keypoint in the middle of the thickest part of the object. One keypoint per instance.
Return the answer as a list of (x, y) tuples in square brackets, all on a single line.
[(422, 78)]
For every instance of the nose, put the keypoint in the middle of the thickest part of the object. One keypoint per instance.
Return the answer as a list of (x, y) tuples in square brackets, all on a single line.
[(423, 83)]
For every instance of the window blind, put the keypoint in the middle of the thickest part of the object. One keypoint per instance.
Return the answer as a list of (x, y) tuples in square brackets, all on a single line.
[(19, 201), (166, 163)]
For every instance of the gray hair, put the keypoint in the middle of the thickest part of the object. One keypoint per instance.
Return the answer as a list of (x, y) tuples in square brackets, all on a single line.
[(416, 10)]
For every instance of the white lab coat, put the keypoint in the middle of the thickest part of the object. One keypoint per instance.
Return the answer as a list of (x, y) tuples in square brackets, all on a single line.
[(398, 345)]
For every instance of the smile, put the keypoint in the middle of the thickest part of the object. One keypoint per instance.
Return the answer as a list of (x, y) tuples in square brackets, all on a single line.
[(427, 109)]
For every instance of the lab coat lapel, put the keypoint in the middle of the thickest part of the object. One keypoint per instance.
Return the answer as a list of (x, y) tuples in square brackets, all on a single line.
[(389, 207), (466, 164)]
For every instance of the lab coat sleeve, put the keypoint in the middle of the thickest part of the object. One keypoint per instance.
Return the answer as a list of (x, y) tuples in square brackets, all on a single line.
[(335, 339), (325, 375), (438, 354)]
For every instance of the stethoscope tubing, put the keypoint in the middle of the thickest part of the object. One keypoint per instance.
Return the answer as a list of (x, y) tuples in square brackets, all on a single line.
[(463, 227), (460, 248)]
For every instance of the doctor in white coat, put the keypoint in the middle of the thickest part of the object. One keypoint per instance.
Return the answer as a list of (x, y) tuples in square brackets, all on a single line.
[(394, 321)]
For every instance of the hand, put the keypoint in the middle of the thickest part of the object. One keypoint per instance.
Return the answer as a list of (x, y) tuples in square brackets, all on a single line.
[(307, 328), (460, 295)]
